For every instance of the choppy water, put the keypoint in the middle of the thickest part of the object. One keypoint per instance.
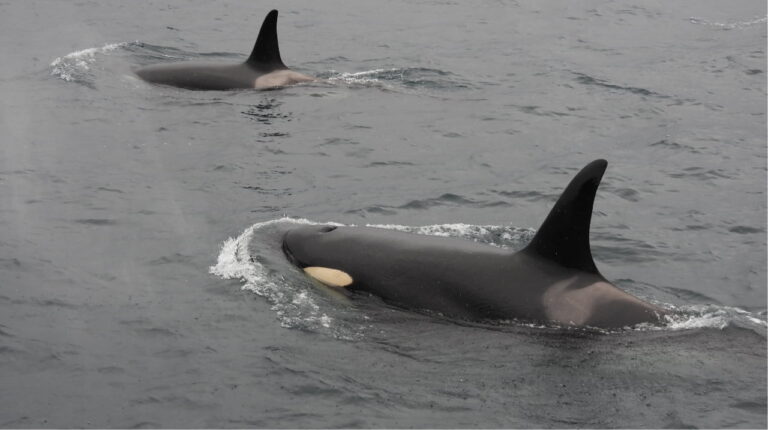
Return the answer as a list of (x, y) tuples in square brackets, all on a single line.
[(141, 278)]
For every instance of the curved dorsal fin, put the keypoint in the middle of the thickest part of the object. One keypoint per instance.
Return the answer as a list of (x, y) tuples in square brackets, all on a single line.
[(266, 52), (564, 236)]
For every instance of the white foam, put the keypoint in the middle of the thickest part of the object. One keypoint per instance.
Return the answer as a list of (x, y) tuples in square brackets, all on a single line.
[(231, 263), (500, 236), (365, 78), (688, 317), (729, 25), (294, 308), (444, 230), (68, 66)]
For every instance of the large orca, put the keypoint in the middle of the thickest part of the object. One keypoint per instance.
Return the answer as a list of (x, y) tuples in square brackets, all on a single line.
[(552, 279), (263, 69)]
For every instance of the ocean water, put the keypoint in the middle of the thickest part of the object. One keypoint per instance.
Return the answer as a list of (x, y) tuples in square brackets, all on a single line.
[(141, 278)]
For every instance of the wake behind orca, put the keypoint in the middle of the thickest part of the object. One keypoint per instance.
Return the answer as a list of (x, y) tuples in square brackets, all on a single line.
[(554, 278), (263, 69)]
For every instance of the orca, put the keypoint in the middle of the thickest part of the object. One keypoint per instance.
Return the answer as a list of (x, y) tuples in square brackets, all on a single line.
[(263, 69), (553, 279)]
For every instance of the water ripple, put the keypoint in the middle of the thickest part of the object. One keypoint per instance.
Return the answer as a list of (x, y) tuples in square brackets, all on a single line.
[(738, 25), (589, 80), (400, 77)]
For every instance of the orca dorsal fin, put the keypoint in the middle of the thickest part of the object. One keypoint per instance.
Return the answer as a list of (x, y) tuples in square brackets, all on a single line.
[(564, 236), (266, 52)]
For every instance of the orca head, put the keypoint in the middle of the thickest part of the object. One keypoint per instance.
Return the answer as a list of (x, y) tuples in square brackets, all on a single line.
[(305, 246), (321, 252)]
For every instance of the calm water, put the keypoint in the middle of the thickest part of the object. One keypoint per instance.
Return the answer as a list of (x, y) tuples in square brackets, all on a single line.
[(141, 279)]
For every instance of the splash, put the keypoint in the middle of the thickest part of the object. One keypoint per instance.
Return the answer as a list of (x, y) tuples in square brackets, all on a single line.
[(729, 25), (401, 78), (360, 78), (499, 236), (689, 317), (294, 308), (75, 66)]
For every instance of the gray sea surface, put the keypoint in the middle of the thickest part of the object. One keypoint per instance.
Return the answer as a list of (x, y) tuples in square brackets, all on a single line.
[(141, 278)]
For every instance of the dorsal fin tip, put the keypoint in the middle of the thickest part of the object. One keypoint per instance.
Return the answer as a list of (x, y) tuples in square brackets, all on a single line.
[(564, 235), (266, 51)]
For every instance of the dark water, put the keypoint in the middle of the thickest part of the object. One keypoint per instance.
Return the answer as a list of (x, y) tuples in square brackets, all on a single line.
[(124, 304)]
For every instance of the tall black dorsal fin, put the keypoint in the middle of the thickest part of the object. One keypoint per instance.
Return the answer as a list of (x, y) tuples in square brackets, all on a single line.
[(564, 236), (266, 52)]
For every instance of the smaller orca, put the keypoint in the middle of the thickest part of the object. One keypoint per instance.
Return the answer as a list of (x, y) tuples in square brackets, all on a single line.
[(552, 279), (263, 69)]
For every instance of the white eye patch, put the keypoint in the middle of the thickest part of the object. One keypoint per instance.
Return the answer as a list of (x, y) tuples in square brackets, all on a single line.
[(329, 277)]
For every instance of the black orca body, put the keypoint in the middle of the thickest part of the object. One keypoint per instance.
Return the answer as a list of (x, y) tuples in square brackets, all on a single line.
[(263, 69), (553, 279)]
